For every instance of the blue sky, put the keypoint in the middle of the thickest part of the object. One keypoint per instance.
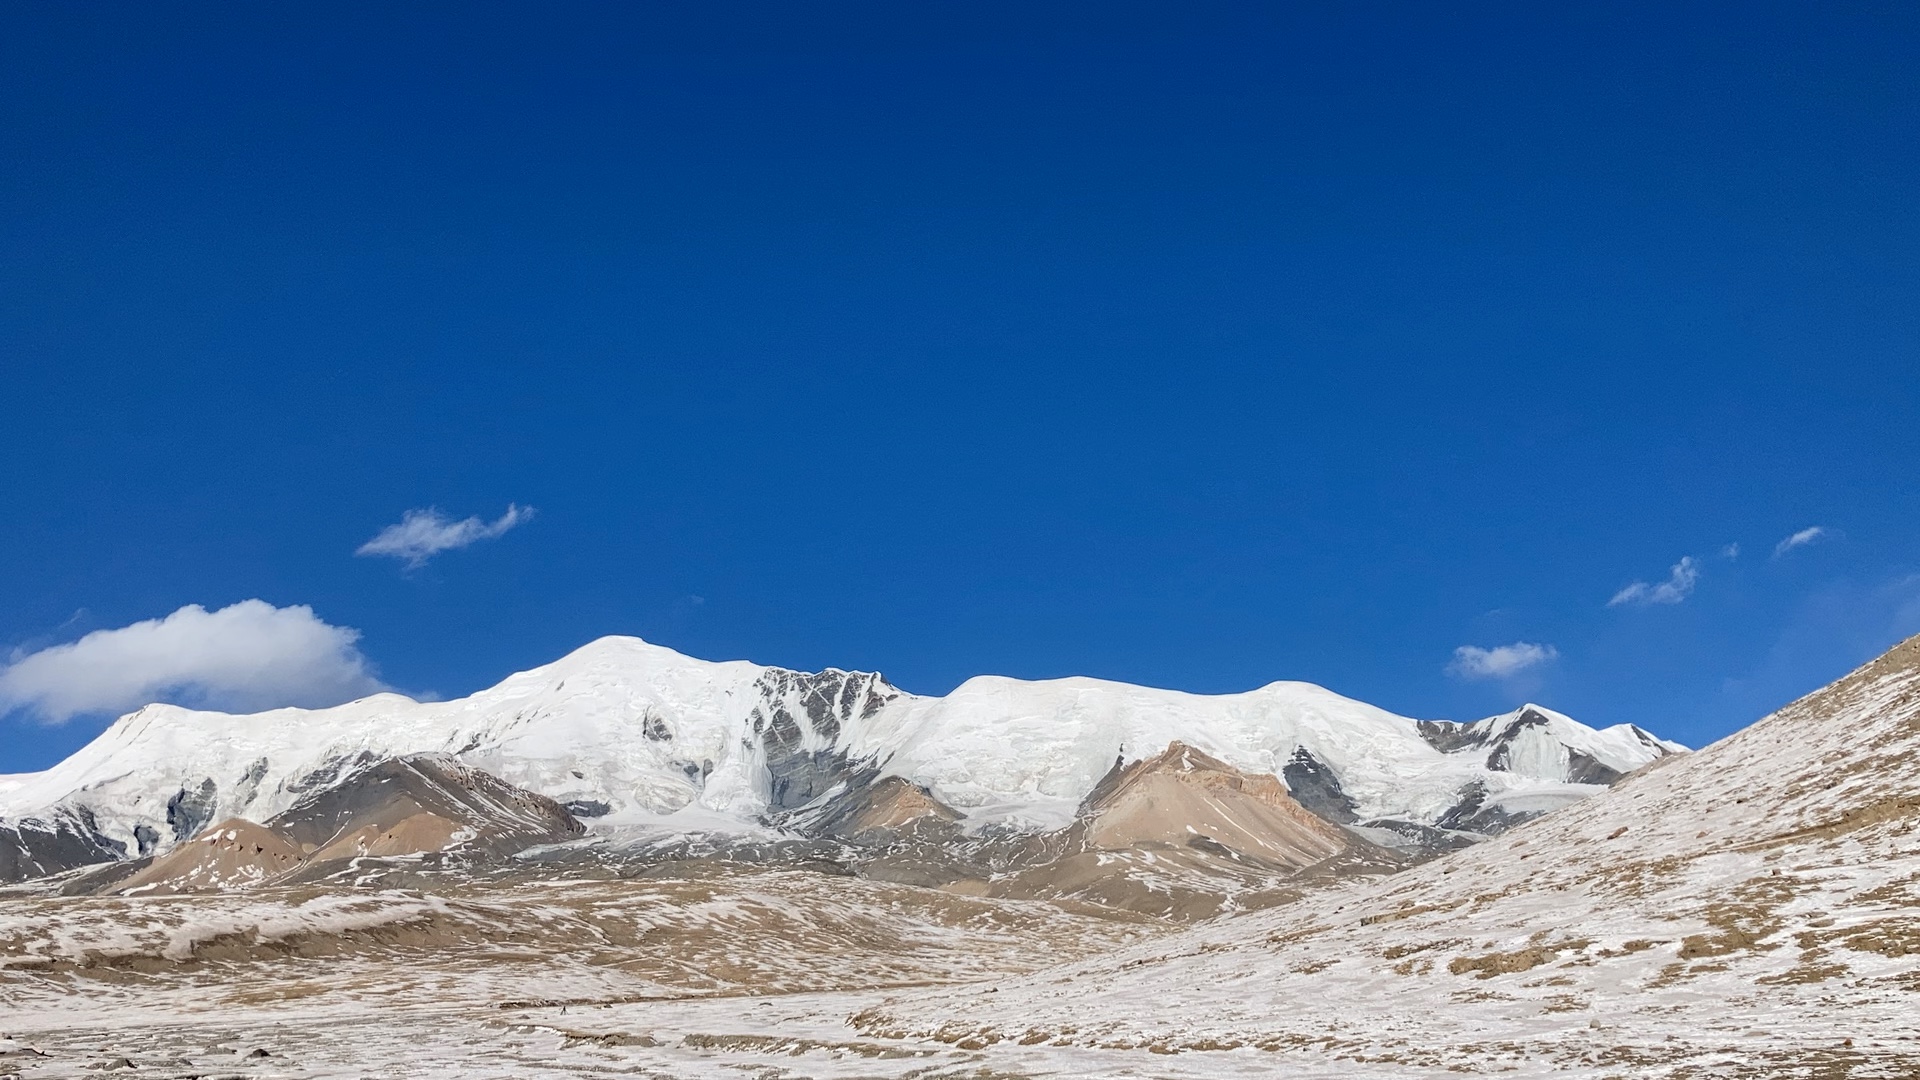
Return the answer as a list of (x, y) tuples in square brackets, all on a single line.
[(1192, 345)]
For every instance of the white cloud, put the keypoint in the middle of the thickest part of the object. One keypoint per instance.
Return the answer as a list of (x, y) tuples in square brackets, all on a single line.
[(1731, 551), (1680, 582), (1800, 539), (422, 534), (1499, 662), (245, 657)]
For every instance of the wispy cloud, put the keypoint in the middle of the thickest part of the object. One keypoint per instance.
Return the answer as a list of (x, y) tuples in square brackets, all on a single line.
[(1801, 539), (1499, 662), (1680, 582), (245, 657), (422, 534), (1731, 551)]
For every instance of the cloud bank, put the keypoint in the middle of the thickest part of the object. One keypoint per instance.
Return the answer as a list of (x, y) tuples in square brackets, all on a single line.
[(1800, 539), (1499, 662), (242, 658), (422, 534), (1679, 583)]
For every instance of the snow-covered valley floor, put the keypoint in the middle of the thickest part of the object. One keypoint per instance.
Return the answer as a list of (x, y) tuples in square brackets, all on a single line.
[(678, 979)]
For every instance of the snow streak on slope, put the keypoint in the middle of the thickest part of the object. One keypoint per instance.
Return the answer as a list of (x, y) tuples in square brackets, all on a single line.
[(629, 732)]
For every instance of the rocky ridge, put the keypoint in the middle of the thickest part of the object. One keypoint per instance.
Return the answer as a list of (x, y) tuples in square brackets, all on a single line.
[(402, 808)]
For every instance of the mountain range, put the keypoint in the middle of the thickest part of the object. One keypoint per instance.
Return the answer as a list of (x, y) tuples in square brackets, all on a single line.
[(640, 750)]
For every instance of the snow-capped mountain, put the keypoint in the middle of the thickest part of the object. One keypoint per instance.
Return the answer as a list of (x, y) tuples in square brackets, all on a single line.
[(623, 732)]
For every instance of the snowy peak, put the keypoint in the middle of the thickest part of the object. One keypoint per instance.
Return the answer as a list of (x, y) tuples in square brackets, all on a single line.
[(1545, 745)]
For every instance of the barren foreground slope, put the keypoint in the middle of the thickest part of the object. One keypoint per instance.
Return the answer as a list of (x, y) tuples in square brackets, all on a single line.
[(1746, 911)]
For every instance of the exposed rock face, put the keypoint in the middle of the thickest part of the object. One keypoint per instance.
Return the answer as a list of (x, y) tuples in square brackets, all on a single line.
[(232, 855), (900, 805), (1183, 834), (799, 724), (1315, 787), (418, 804), (872, 809), (65, 840), (828, 700), (421, 805), (1184, 798), (1451, 736), (1472, 814), (1586, 769), (188, 810)]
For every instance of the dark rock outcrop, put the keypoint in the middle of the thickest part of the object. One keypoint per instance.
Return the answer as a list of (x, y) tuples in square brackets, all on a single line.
[(190, 809), (871, 809), (66, 840), (1473, 814), (798, 721), (1447, 736), (1315, 787)]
